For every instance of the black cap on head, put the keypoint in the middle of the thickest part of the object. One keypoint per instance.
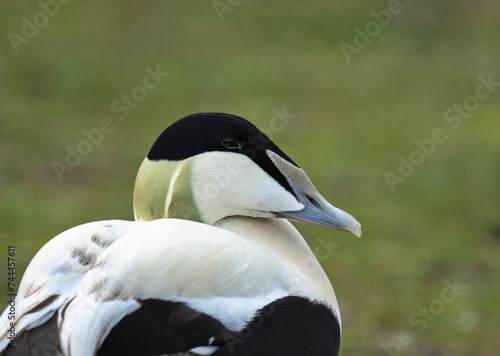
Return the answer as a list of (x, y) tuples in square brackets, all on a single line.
[(205, 132)]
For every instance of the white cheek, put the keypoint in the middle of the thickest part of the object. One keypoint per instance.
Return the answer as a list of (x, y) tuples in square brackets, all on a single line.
[(226, 184)]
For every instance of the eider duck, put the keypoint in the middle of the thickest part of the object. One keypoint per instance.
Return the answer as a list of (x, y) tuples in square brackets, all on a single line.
[(211, 266)]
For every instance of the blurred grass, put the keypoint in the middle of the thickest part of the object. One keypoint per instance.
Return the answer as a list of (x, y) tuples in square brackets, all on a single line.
[(353, 121)]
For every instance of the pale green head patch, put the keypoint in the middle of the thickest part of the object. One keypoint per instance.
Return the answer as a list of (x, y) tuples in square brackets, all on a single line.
[(163, 190)]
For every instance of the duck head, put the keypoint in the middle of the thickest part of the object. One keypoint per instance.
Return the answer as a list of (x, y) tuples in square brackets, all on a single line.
[(209, 166)]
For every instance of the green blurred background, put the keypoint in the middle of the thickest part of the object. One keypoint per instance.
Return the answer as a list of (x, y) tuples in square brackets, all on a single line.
[(353, 122)]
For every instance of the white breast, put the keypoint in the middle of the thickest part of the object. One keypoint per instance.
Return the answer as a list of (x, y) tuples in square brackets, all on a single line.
[(98, 269)]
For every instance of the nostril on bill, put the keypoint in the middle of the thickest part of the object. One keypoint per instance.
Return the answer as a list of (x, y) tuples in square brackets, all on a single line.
[(313, 202)]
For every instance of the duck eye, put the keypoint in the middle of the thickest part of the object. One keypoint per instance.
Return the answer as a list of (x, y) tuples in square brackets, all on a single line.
[(230, 143)]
